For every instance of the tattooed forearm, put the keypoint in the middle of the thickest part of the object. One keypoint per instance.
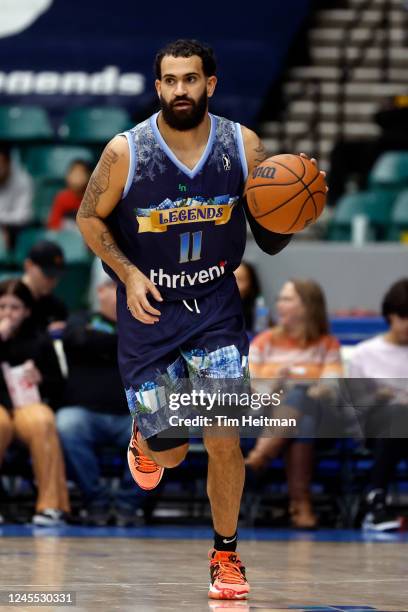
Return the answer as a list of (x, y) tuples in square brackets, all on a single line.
[(260, 153), (109, 246), (98, 184)]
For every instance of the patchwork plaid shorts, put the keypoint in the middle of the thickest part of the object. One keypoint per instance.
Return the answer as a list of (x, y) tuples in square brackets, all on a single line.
[(197, 343)]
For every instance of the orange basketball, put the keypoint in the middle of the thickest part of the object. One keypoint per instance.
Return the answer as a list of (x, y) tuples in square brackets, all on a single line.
[(286, 193)]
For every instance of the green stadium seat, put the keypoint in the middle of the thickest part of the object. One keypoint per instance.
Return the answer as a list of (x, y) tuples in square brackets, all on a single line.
[(375, 205), (53, 161), (6, 274), (23, 123), (25, 240), (399, 217), (73, 286), (390, 170), (4, 253), (70, 241), (94, 125), (45, 190)]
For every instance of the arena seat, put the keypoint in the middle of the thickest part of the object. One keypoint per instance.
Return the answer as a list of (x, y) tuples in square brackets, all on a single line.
[(375, 205), (53, 161), (390, 170), (73, 287), (94, 125), (45, 191), (24, 123), (70, 241), (399, 217), (4, 254), (25, 240)]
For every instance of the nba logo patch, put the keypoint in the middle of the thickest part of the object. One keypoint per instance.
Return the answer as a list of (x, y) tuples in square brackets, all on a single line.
[(226, 161)]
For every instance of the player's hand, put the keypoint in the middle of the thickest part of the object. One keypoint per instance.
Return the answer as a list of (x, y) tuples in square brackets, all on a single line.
[(137, 288), (314, 162)]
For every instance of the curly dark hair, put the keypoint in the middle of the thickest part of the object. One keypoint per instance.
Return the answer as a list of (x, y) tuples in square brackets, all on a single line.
[(187, 48), (395, 301)]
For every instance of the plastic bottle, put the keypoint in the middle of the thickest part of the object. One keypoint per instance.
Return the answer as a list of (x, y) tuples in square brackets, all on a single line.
[(261, 321)]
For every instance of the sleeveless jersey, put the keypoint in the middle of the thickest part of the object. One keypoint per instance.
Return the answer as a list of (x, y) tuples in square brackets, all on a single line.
[(184, 229)]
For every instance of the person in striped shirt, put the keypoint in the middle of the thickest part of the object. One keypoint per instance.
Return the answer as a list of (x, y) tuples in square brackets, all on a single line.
[(295, 355)]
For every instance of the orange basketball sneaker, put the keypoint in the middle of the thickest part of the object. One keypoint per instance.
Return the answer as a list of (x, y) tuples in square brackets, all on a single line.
[(227, 576), (145, 472)]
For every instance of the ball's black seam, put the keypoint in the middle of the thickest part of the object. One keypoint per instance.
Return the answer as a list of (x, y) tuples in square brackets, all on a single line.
[(286, 201), (302, 208)]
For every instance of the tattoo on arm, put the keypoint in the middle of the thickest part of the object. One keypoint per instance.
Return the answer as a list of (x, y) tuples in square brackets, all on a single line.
[(98, 184), (110, 246), (260, 153)]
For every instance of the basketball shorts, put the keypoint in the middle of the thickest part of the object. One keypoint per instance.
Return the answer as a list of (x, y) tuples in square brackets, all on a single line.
[(201, 343)]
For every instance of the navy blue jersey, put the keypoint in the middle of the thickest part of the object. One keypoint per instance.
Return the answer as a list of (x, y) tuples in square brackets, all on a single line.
[(184, 229)]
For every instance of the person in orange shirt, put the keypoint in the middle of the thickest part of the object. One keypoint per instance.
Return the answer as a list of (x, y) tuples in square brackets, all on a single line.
[(298, 350), (66, 202)]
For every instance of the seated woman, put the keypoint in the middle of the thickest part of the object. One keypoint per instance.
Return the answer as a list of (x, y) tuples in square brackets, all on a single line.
[(297, 350), (24, 412), (250, 292)]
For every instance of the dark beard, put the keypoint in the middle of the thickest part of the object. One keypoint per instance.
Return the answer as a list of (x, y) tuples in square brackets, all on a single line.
[(184, 120)]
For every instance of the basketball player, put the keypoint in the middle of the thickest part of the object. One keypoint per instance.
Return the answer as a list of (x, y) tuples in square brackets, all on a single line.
[(163, 211)]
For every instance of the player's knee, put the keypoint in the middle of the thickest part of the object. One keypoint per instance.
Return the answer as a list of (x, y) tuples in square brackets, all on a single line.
[(219, 446), (170, 458)]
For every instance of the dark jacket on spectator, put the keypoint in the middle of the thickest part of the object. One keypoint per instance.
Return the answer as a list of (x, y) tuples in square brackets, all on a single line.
[(91, 344), (48, 309), (32, 343)]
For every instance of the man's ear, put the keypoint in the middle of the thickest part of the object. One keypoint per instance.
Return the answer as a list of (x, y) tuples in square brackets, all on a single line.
[(211, 84), (157, 85)]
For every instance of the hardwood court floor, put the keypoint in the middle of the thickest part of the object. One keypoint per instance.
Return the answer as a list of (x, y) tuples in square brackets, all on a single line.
[(152, 574)]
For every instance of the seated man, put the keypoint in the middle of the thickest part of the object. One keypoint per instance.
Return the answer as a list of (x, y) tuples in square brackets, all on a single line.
[(96, 411), (43, 268), (384, 361)]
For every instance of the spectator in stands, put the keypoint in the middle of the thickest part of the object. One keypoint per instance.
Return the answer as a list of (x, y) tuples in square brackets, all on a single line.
[(66, 202), (26, 396), (249, 289), (16, 196), (384, 360), (42, 270), (96, 412), (290, 354)]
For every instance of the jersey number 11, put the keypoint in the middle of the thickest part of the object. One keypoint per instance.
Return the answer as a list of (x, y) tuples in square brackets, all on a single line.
[(194, 239)]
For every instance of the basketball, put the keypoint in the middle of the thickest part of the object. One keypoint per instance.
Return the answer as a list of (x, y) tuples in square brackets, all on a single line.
[(286, 193)]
